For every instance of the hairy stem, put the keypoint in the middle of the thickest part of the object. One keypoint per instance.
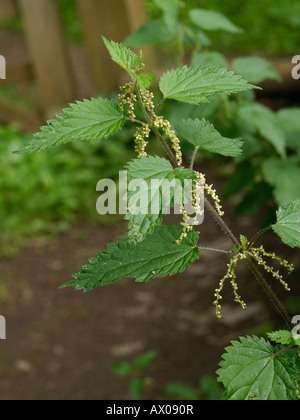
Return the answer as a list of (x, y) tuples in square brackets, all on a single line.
[(291, 347), (194, 157), (276, 302), (258, 235), (203, 248)]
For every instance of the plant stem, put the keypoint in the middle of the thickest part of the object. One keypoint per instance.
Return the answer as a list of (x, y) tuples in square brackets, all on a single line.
[(135, 121), (194, 157), (165, 145), (276, 302), (159, 106), (203, 248), (142, 105), (258, 235), (291, 347)]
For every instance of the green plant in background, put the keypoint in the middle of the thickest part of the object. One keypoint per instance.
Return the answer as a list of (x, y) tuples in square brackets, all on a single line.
[(275, 32), (252, 368), (268, 169), (135, 371), (45, 193)]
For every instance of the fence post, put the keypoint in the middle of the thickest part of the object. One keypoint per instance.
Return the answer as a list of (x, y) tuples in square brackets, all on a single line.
[(114, 19), (48, 53), (7, 9)]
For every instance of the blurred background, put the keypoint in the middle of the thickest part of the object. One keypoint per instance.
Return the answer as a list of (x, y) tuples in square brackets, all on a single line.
[(158, 340)]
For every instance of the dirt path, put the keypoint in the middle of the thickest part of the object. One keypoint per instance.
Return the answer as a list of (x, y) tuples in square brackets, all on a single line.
[(60, 343)]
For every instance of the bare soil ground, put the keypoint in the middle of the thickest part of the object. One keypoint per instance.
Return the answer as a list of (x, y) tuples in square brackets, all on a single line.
[(60, 343)]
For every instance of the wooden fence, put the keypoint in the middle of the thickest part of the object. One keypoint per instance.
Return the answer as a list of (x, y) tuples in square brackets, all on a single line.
[(49, 63)]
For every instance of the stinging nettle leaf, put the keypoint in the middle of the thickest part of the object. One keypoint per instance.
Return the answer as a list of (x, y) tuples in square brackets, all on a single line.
[(94, 119), (203, 134), (157, 256), (199, 84), (122, 55), (251, 371), (283, 337), (160, 186), (288, 224)]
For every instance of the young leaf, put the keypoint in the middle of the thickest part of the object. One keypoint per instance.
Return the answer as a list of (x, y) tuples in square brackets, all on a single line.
[(251, 371), (157, 256), (282, 337), (122, 55), (210, 20), (255, 69), (96, 119), (204, 135), (288, 224), (144, 80), (154, 198), (199, 84)]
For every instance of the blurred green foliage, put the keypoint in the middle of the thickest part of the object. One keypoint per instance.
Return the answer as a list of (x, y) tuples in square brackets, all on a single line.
[(43, 193), (269, 27), (272, 27)]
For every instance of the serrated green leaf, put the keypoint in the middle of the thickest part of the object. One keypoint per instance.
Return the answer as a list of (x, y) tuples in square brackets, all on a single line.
[(210, 20), (155, 198), (122, 55), (157, 256), (199, 84), (265, 122), (251, 371), (244, 241), (203, 134), (94, 119), (145, 80), (288, 224), (282, 337), (255, 69), (284, 177)]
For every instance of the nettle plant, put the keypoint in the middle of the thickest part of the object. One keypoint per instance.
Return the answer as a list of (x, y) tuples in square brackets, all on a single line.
[(252, 368)]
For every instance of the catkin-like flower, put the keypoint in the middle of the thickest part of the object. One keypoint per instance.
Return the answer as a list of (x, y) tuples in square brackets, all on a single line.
[(165, 125), (140, 138), (186, 228), (210, 191), (259, 253), (232, 276), (127, 97)]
